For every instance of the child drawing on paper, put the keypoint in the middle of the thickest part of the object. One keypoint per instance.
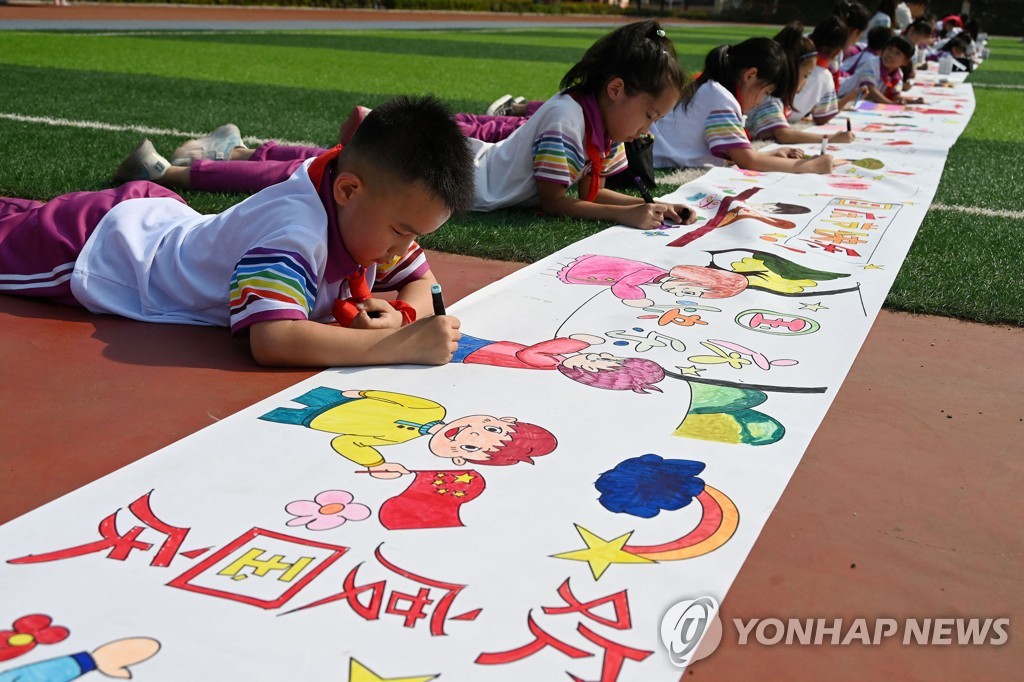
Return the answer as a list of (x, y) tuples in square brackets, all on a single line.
[(568, 355), (112, 659), (762, 271), (366, 419)]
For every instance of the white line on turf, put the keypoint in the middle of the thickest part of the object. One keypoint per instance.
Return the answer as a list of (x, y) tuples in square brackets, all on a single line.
[(149, 130), (144, 130), (975, 210), (998, 86)]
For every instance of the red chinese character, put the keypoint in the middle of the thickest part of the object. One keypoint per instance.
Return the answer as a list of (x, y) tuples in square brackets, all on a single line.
[(615, 654), (121, 545), (541, 639), (413, 607), (619, 602), (833, 248)]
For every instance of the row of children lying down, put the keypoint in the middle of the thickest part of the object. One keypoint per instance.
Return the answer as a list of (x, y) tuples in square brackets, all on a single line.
[(753, 90), (331, 226)]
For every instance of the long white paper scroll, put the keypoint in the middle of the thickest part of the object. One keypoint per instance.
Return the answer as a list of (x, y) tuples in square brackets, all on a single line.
[(611, 441)]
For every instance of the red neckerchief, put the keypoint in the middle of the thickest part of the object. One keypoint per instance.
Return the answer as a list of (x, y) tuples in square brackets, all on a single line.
[(823, 63), (346, 310), (891, 81), (595, 154)]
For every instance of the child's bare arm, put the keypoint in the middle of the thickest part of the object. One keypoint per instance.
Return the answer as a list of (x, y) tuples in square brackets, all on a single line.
[(753, 160), (304, 343), (851, 96), (417, 294), (876, 95), (787, 135), (635, 213)]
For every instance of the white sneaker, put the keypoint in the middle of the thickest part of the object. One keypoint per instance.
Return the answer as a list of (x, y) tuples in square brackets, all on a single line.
[(144, 163), (500, 107), (216, 146)]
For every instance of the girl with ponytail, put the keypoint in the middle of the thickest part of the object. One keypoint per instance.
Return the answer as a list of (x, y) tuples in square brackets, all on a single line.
[(707, 126), (768, 120), (818, 97)]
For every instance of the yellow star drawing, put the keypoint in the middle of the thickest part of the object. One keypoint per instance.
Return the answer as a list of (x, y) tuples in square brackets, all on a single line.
[(357, 672), (691, 371), (601, 553), (813, 306), (464, 478), (872, 266)]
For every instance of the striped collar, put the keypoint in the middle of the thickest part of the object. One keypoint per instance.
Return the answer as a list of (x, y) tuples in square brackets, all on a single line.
[(340, 264)]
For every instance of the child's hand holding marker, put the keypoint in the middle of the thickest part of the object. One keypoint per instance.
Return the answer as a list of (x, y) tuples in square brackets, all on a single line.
[(816, 164), (437, 298), (848, 136), (654, 214)]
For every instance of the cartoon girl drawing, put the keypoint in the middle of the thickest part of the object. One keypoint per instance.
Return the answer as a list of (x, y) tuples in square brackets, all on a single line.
[(758, 270), (570, 357)]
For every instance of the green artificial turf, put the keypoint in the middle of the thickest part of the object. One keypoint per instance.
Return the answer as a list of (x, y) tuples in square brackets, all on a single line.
[(298, 86), (964, 266)]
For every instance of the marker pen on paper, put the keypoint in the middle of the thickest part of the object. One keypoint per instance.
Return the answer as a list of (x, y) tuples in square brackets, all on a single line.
[(435, 293), (644, 192), (849, 126), (648, 199), (824, 144)]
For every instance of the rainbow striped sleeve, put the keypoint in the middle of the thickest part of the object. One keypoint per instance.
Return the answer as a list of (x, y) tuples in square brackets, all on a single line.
[(723, 130), (271, 285), (827, 106), (768, 116), (557, 158), (408, 268), (615, 161)]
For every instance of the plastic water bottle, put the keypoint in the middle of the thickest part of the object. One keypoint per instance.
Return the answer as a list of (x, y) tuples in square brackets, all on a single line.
[(946, 64)]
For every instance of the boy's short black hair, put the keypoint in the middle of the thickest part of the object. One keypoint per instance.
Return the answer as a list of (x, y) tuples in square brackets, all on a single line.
[(919, 26), (903, 45), (415, 140), (959, 41), (879, 37), (830, 34)]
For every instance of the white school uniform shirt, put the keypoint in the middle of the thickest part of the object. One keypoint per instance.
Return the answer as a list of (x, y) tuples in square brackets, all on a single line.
[(903, 16), (550, 146), (265, 258), (817, 97), (703, 132), (879, 19), (863, 68)]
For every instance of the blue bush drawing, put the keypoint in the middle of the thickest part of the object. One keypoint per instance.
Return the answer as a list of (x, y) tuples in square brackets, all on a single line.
[(645, 485)]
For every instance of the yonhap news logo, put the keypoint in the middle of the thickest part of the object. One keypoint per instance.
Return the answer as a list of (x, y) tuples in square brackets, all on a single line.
[(691, 630)]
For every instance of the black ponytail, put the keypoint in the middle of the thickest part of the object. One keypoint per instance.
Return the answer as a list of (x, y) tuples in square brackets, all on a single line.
[(640, 53), (726, 63), (798, 48)]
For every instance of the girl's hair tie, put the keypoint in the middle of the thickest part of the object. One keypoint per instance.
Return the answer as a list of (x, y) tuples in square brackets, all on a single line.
[(660, 33)]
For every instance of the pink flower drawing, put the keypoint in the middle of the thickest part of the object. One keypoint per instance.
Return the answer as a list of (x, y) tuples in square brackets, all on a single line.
[(327, 510)]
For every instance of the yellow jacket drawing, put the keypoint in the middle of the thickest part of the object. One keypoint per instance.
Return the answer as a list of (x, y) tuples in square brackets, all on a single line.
[(363, 420)]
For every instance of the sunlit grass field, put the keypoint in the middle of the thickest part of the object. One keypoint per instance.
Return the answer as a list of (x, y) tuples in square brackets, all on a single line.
[(298, 86)]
